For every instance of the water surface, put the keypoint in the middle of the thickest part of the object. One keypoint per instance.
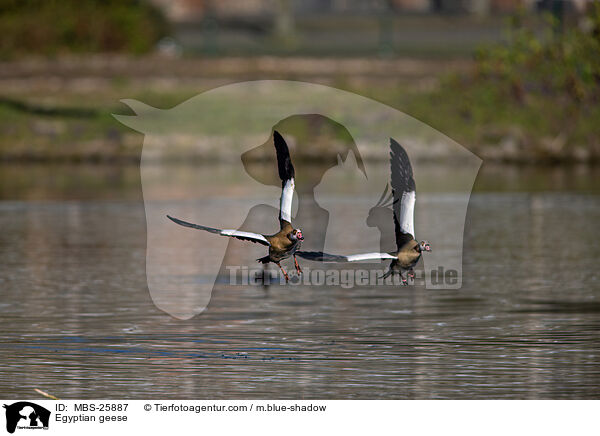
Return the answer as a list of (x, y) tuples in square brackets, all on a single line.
[(77, 319)]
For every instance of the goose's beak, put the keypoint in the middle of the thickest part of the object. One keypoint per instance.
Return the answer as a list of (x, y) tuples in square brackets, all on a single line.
[(299, 236)]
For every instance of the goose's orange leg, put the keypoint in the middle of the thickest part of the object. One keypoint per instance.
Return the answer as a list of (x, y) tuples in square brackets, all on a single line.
[(287, 278), (298, 269)]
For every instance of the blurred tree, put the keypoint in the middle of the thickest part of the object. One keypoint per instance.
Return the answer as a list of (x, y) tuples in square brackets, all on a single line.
[(537, 93), (54, 26), (562, 63)]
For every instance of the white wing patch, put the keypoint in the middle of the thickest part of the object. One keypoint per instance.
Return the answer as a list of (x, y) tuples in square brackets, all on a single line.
[(407, 210), (369, 256), (285, 207), (258, 237)]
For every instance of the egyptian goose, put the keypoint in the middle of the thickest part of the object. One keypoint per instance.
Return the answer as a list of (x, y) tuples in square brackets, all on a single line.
[(408, 250), (312, 134), (284, 243)]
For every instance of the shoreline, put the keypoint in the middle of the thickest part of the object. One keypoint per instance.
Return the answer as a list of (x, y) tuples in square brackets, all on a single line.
[(59, 110)]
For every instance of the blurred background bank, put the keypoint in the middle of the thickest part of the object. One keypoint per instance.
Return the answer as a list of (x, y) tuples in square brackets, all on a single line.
[(512, 80)]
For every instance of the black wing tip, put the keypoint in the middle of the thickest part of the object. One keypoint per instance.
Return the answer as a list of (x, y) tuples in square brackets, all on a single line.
[(280, 144), (397, 149), (175, 220), (284, 161), (178, 221), (319, 256), (401, 168), (310, 255)]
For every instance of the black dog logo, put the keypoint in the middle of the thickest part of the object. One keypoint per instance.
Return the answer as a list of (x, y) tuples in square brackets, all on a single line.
[(26, 415)]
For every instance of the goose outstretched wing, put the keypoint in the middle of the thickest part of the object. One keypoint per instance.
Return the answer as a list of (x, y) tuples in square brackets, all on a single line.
[(319, 256), (404, 192), (286, 174), (238, 234)]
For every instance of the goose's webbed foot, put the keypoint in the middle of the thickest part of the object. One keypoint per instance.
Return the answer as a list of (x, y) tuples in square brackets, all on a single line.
[(404, 279)]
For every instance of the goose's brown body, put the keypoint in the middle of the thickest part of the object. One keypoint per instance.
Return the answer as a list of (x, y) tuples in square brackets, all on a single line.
[(407, 258), (283, 244), (409, 255)]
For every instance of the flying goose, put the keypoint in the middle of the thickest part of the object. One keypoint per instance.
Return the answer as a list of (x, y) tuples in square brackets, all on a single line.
[(408, 250), (284, 243)]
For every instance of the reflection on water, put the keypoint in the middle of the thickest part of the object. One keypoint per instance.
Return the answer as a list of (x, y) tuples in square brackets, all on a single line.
[(81, 182), (77, 319)]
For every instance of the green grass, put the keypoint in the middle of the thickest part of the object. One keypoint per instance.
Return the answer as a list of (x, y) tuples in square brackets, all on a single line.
[(474, 114), (476, 109)]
